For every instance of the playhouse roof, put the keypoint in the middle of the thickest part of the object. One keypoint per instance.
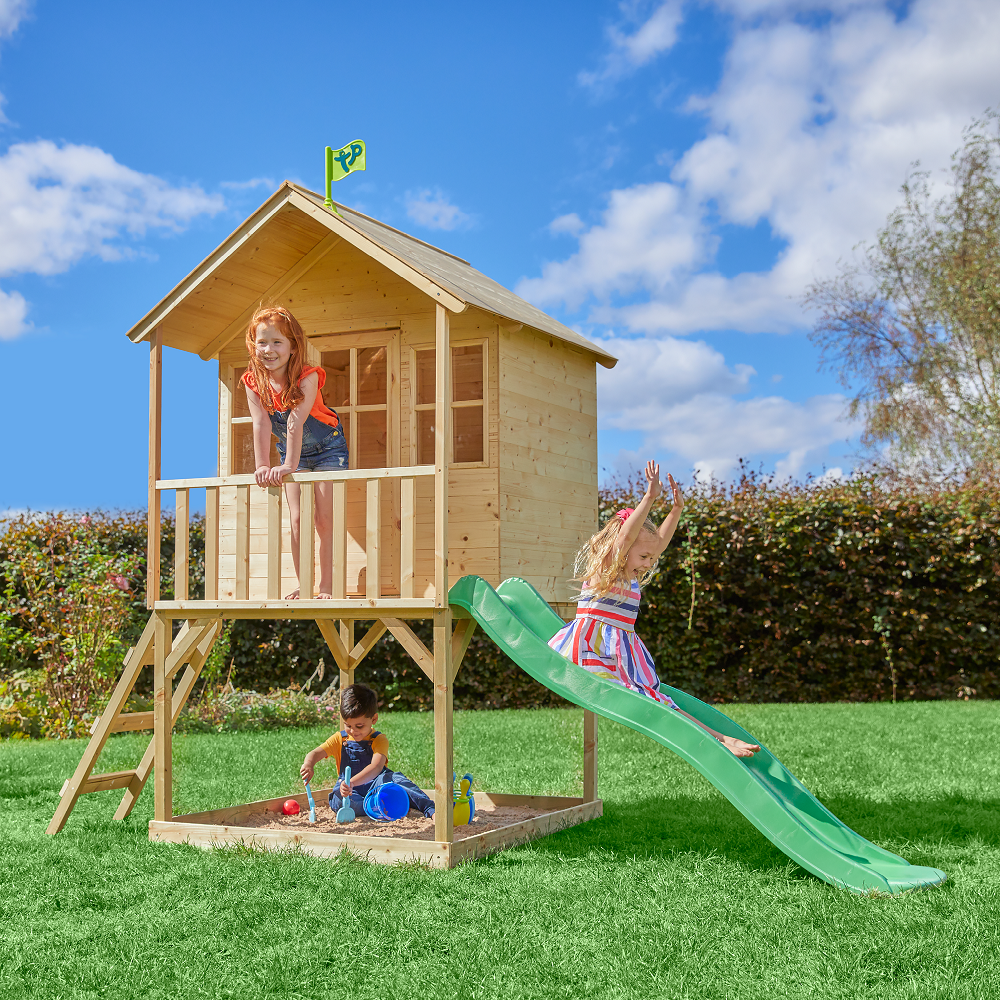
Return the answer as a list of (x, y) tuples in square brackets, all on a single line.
[(214, 302)]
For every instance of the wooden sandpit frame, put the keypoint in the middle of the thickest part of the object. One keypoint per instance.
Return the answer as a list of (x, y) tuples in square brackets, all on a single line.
[(220, 827)]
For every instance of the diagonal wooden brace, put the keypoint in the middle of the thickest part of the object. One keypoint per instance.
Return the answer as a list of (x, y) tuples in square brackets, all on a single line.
[(74, 788), (182, 692), (405, 636)]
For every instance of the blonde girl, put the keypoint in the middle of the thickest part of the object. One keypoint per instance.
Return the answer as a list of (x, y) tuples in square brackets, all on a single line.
[(613, 567), (286, 399)]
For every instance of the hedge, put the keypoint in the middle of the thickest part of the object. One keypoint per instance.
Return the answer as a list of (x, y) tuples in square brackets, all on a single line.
[(766, 594)]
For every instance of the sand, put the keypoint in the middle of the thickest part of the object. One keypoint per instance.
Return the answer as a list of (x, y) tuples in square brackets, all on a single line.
[(412, 827)]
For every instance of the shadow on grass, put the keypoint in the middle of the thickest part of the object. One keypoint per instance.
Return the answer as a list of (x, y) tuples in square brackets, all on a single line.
[(664, 828)]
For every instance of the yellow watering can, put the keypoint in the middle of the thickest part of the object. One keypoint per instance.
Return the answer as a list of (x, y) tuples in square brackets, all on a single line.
[(464, 805)]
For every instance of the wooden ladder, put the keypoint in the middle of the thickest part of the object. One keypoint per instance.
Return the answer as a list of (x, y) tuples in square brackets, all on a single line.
[(191, 646)]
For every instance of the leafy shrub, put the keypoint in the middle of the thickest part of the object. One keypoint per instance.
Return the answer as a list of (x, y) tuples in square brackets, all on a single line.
[(767, 593)]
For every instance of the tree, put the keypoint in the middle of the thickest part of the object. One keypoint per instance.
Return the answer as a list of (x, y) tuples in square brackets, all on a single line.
[(914, 328)]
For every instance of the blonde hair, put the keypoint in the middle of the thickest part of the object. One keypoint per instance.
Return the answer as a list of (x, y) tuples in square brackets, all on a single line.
[(597, 568)]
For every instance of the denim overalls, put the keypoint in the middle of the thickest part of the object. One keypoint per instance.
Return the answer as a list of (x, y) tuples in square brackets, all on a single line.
[(323, 447), (358, 754)]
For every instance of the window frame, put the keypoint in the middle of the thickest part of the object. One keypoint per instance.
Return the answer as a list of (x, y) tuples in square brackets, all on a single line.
[(416, 407)]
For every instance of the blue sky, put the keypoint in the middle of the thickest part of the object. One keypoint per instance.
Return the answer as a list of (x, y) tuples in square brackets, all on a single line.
[(666, 177)]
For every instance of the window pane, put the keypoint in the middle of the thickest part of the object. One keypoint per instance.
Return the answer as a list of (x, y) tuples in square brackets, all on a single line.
[(425, 437), (467, 428), (371, 440), (467, 373), (243, 457), (337, 391), (241, 408), (373, 386), (423, 377)]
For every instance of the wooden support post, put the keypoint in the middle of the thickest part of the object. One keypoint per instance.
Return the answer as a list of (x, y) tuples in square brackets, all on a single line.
[(407, 534), (347, 638), (589, 756), (307, 541), (339, 502), (443, 728), (212, 543), (153, 496), (179, 698), (373, 531), (163, 720), (442, 447), (242, 590), (274, 543), (134, 663), (460, 643), (182, 521)]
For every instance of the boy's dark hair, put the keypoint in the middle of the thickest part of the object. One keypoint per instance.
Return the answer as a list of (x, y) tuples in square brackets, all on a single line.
[(358, 699)]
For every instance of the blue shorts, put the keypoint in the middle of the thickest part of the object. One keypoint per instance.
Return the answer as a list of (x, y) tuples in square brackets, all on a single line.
[(326, 453)]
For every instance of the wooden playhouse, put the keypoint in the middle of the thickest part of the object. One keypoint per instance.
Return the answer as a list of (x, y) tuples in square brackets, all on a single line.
[(471, 420)]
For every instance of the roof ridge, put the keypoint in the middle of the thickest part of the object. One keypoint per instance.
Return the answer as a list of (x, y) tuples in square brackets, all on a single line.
[(378, 222)]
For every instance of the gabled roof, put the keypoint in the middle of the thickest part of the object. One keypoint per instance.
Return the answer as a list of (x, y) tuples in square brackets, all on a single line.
[(300, 212)]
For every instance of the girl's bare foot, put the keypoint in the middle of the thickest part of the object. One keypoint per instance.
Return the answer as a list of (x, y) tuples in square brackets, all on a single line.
[(293, 596), (738, 747), (324, 597)]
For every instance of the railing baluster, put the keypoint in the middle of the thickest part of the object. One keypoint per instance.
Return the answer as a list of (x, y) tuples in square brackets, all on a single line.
[(242, 543), (212, 543), (407, 535), (273, 543), (307, 543), (373, 576), (339, 503), (181, 544)]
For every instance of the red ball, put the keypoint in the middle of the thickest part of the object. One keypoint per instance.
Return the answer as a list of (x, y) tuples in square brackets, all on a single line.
[(290, 808)]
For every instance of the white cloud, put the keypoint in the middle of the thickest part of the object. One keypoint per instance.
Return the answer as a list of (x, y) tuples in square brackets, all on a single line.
[(570, 224), (433, 210), (812, 128), (59, 204), (13, 315), (678, 395), (629, 51), (12, 13)]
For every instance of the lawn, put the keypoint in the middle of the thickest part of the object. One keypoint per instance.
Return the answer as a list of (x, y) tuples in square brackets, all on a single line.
[(671, 894)]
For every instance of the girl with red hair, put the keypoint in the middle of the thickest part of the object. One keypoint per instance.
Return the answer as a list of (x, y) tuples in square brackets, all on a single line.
[(286, 399)]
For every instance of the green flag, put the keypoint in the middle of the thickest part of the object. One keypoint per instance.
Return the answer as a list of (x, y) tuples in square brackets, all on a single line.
[(341, 162)]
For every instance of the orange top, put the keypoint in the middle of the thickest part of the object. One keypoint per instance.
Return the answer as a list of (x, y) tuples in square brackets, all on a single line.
[(319, 410)]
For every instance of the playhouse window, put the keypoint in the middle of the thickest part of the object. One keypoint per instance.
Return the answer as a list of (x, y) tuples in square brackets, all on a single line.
[(357, 387), (468, 404)]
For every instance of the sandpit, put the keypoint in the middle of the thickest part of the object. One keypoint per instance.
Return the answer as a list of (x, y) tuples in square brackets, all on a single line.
[(489, 816)]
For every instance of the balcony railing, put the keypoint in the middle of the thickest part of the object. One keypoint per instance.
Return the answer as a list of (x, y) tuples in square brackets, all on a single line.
[(375, 481)]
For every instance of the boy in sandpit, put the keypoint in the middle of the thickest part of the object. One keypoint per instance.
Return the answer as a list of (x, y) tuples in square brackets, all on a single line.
[(365, 751)]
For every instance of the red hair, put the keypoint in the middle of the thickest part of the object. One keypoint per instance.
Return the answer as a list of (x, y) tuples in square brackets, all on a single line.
[(288, 326)]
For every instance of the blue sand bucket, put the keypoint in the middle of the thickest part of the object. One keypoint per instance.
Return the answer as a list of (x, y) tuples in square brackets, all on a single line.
[(387, 801)]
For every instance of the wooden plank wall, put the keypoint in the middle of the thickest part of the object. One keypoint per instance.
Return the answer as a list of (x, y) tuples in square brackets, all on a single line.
[(548, 459), (473, 510)]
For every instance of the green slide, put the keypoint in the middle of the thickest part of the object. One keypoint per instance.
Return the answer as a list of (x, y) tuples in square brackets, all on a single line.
[(519, 621)]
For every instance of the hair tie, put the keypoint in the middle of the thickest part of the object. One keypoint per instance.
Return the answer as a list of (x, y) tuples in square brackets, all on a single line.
[(624, 514)]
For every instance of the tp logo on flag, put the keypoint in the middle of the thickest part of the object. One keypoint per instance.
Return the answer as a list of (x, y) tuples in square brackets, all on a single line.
[(341, 162)]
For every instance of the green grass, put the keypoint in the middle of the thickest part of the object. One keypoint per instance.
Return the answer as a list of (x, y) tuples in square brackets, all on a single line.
[(671, 894)]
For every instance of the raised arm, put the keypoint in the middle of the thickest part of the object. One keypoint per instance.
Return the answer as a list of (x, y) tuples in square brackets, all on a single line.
[(666, 530), (635, 520)]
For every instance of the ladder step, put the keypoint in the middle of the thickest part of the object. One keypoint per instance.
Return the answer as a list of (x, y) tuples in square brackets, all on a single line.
[(131, 722), (103, 782)]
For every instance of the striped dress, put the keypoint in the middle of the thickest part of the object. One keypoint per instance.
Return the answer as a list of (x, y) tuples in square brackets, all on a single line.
[(602, 640)]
